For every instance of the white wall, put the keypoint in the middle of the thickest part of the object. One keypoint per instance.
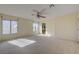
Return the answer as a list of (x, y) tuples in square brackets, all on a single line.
[(65, 26)]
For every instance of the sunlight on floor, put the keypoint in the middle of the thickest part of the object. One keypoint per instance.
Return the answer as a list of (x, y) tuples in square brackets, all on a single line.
[(45, 35), (21, 42)]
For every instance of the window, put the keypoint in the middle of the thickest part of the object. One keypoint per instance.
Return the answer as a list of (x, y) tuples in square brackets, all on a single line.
[(35, 27), (5, 27), (13, 26), (9, 27)]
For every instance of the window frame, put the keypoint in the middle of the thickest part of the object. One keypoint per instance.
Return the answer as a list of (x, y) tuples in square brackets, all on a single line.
[(10, 27)]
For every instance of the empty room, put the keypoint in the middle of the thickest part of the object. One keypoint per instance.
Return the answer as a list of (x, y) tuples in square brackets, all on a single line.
[(39, 28)]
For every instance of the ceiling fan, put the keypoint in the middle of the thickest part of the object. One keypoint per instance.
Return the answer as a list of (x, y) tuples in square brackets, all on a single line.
[(39, 14)]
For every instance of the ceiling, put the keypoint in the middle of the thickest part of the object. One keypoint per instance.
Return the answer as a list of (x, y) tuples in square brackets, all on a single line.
[(25, 10)]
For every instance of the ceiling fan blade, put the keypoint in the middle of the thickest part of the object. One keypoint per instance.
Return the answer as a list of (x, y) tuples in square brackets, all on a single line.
[(35, 10), (43, 16), (42, 11), (33, 14)]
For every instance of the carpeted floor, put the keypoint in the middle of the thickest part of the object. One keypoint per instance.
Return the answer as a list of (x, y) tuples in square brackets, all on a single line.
[(40, 45)]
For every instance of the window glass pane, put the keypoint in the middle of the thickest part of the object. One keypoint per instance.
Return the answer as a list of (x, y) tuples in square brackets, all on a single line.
[(35, 27), (13, 26), (5, 27)]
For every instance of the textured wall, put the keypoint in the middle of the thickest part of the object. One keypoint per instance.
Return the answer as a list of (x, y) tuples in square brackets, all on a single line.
[(66, 26)]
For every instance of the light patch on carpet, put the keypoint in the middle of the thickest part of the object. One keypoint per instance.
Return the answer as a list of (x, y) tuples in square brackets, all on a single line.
[(21, 42), (45, 35)]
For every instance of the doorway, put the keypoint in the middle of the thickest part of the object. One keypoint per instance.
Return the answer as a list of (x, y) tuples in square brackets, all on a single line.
[(39, 28), (43, 28)]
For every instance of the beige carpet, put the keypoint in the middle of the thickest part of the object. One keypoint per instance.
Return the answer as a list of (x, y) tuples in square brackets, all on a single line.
[(43, 45)]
